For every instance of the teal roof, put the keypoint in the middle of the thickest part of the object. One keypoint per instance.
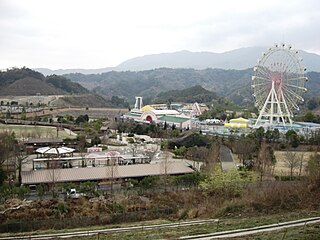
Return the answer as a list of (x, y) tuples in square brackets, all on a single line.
[(173, 119)]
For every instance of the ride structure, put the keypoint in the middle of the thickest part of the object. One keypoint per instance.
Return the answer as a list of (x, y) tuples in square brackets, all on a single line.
[(138, 104), (278, 84)]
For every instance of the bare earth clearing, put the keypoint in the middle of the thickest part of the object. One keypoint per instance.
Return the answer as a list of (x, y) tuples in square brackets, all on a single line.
[(91, 112), (24, 132)]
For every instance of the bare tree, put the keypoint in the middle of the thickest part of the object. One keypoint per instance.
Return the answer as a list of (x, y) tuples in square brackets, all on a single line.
[(105, 138), (53, 174), (245, 149), (7, 152), (112, 172), (301, 158), (165, 167), (213, 155), (265, 160), (152, 151), (82, 149), (133, 147), (20, 158), (291, 161)]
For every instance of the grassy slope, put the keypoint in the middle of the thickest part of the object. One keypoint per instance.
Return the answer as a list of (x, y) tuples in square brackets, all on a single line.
[(308, 232)]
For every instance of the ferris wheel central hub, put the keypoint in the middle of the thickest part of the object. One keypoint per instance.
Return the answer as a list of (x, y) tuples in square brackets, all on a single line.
[(277, 78)]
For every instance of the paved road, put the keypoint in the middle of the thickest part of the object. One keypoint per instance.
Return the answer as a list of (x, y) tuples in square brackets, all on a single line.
[(226, 158)]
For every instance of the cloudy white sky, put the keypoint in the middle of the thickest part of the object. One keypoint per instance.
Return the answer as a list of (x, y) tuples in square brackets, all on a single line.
[(94, 34)]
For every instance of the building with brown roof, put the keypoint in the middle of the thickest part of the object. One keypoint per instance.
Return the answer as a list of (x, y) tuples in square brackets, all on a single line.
[(99, 174)]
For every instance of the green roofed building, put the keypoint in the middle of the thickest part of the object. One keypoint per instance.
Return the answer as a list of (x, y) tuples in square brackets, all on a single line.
[(158, 113), (178, 121)]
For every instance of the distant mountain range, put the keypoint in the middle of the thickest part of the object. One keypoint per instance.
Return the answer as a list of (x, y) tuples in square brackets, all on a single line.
[(233, 84), (156, 86), (239, 59)]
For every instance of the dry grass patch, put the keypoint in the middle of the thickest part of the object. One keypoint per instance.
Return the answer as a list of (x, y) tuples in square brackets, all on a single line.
[(281, 167)]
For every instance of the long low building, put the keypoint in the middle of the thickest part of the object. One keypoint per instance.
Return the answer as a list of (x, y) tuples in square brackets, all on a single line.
[(98, 174), (170, 117)]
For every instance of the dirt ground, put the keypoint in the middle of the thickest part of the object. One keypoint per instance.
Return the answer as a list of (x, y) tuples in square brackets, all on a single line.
[(23, 132)]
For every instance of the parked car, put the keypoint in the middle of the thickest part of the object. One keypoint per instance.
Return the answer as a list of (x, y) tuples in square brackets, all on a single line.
[(72, 193)]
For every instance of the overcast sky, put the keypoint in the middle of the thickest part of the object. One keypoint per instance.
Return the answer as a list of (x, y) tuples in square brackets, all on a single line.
[(94, 34)]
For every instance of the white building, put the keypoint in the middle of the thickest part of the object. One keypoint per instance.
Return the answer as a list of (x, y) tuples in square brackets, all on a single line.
[(148, 114)]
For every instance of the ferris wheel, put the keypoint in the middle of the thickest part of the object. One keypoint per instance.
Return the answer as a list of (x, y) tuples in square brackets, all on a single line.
[(278, 84)]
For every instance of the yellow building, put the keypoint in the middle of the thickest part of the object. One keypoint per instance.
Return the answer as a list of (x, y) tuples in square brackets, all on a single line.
[(237, 123)]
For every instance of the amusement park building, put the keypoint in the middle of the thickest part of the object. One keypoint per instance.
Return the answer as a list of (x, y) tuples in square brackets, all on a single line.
[(99, 174), (180, 115), (238, 123), (148, 114), (159, 114)]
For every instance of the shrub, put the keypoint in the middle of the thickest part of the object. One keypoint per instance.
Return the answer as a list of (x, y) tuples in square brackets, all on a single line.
[(61, 209), (40, 190), (88, 188), (3, 176), (189, 180), (148, 182), (183, 214), (20, 191), (130, 140), (278, 196), (181, 151), (229, 183), (313, 169), (231, 207), (116, 208)]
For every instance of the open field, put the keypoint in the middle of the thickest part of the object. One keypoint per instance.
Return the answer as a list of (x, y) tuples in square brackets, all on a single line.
[(73, 111), (282, 169), (46, 99), (23, 132), (95, 112)]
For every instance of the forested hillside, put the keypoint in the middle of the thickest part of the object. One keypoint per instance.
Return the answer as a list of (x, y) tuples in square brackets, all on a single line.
[(188, 95), (152, 82), (233, 84), (27, 82), (24, 82)]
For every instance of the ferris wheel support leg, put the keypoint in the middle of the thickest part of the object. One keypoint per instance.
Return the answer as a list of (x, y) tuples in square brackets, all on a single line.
[(262, 112), (278, 104), (272, 104), (287, 109)]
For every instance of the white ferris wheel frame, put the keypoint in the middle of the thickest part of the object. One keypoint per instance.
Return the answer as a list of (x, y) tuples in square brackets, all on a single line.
[(278, 106)]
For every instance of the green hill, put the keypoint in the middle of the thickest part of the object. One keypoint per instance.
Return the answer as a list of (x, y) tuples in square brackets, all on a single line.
[(27, 82), (232, 84), (188, 95)]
